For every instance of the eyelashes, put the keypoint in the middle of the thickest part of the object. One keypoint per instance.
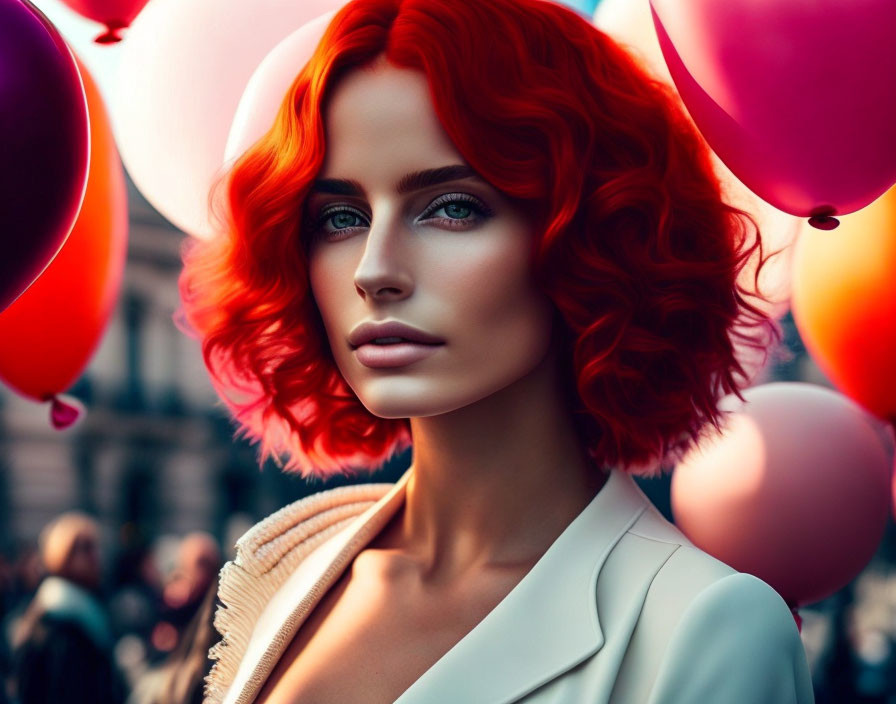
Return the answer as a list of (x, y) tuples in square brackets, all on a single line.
[(461, 212)]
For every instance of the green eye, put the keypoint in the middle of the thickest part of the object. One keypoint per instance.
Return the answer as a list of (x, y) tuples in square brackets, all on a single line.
[(458, 210), (343, 219)]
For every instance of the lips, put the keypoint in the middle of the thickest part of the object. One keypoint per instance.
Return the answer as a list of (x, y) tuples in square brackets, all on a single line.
[(390, 333), (390, 344)]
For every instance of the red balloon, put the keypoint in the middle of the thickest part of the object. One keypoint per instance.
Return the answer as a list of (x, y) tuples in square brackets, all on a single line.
[(44, 145), (114, 14), (796, 97), (796, 491), (844, 303), (51, 331)]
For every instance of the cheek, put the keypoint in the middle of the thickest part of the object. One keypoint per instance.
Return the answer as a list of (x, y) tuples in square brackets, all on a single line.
[(496, 297), (330, 277)]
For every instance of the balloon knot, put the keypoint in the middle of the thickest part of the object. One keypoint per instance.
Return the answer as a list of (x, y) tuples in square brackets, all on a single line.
[(65, 411), (112, 35), (822, 218), (824, 222)]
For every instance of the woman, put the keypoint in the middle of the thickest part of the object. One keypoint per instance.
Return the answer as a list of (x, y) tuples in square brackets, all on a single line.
[(64, 643), (480, 228)]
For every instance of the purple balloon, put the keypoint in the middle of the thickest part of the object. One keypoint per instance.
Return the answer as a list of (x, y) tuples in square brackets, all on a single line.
[(44, 145)]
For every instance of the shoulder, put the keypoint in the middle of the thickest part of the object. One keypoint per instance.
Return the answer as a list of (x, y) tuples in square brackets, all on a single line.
[(697, 584), (735, 641), (265, 557), (687, 570), (707, 632), (716, 634), (302, 525), (671, 568)]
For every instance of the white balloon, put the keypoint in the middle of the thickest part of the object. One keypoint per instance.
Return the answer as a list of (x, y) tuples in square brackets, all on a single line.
[(184, 67), (268, 86)]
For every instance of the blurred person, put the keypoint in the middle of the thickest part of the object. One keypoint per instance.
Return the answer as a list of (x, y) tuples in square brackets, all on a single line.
[(196, 569), (135, 602), (63, 645), (179, 679), (198, 562), (185, 632), (7, 579), (24, 577)]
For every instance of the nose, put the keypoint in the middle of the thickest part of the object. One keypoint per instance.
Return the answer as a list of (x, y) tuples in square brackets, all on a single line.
[(384, 272)]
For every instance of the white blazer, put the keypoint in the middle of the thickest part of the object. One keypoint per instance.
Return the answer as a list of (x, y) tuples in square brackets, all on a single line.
[(622, 608)]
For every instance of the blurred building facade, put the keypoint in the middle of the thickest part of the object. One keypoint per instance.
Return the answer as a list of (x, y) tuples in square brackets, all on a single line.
[(155, 451)]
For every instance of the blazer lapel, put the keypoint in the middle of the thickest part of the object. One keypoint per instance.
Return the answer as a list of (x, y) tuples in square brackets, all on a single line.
[(548, 623), (545, 626)]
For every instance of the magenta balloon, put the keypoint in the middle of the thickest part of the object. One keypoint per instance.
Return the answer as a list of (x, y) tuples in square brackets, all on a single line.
[(796, 491), (114, 14), (44, 145), (796, 97)]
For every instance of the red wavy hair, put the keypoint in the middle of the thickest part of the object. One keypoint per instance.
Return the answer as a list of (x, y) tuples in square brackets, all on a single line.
[(638, 252)]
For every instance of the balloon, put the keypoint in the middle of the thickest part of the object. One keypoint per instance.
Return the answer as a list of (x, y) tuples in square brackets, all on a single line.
[(796, 97), (844, 303), (114, 14), (796, 490), (51, 331), (182, 72), (44, 145), (630, 24), (268, 85)]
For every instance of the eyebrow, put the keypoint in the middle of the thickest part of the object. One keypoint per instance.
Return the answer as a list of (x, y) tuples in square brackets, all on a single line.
[(409, 182)]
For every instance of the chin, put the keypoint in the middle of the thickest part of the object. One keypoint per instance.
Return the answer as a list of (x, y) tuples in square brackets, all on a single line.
[(402, 398), (395, 397)]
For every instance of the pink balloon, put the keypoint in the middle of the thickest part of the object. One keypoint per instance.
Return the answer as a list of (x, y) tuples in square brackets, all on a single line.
[(796, 97), (182, 72), (268, 86), (796, 490)]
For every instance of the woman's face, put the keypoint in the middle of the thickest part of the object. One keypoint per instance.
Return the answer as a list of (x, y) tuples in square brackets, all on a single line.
[(420, 268)]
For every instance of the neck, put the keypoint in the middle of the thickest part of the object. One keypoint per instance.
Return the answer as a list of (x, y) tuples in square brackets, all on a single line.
[(496, 482)]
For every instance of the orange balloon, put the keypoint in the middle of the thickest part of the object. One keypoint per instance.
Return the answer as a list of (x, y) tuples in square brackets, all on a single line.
[(50, 332), (844, 303)]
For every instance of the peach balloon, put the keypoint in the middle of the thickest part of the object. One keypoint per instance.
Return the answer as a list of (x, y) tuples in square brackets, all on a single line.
[(844, 303), (796, 490)]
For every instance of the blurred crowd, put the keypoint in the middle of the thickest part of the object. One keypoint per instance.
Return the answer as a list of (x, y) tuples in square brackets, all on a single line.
[(127, 621), (132, 626)]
